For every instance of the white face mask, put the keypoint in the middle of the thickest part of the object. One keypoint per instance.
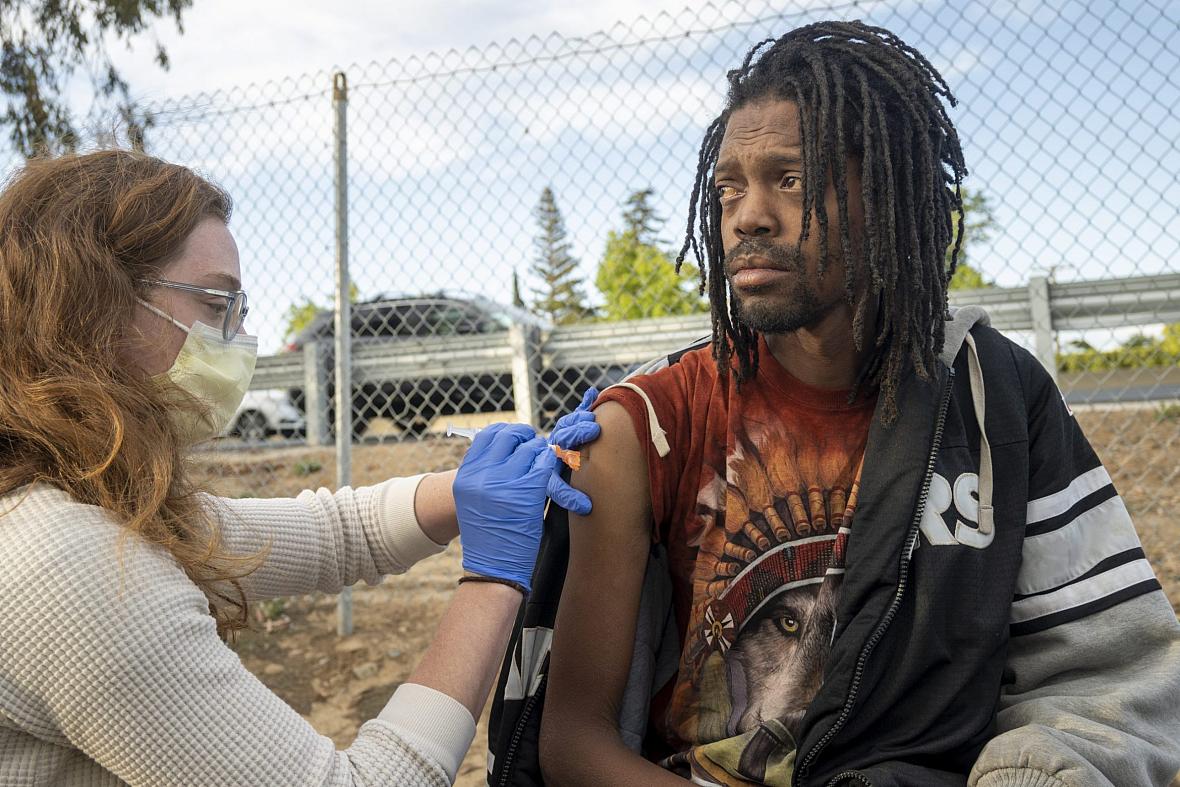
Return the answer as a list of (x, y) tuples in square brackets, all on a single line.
[(212, 370)]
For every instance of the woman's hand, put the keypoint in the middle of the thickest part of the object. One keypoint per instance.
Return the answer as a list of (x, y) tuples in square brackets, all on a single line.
[(500, 493), (573, 430), (501, 489)]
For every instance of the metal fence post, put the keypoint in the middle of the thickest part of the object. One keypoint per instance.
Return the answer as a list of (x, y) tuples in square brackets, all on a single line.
[(315, 393), (1042, 321), (343, 322), (525, 341)]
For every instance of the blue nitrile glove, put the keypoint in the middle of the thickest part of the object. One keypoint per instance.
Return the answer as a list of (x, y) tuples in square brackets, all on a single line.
[(573, 430), (500, 501)]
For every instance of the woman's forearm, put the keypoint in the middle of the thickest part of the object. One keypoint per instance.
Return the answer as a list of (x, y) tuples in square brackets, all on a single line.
[(436, 709), (434, 505), (465, 654)]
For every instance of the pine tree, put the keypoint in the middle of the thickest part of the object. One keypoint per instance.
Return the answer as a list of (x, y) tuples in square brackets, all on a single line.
[(517, 298), (638, 278), (640, 219), (560, 295)]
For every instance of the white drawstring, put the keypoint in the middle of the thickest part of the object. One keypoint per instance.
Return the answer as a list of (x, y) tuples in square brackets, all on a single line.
[(658, 438), (986, 518)]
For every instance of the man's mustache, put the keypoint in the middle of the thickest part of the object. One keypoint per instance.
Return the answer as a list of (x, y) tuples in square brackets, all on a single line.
[(767, 253)]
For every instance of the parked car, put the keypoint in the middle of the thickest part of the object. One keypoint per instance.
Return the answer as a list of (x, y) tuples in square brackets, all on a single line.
[(263, 414), (413, 404)]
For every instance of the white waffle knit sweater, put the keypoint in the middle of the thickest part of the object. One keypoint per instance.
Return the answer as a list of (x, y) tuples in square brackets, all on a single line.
[(111, 671)]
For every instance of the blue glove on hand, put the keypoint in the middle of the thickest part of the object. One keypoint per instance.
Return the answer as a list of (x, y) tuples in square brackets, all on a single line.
[(500, 492), (573, 430)]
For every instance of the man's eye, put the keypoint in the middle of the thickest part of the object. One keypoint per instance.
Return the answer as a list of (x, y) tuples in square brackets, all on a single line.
[(787, 624), (725, 193), (217, 308), (792, 182)]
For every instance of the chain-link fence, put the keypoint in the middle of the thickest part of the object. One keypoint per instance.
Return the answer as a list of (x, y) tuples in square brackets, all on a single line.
[(506, 212), (512, 211)]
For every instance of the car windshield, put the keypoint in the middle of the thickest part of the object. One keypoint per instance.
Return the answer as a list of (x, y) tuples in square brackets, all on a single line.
[(410, 317), (419, 318)]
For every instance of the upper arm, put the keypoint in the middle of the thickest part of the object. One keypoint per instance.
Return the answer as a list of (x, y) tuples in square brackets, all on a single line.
[(1081, 553), (1057, 446), (321, 540), (595, 629), (1078, 702)]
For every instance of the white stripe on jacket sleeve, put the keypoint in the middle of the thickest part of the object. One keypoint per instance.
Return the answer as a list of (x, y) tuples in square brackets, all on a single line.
[(1062, 555), (1059, 502), (1075, 595), (1081, 555)]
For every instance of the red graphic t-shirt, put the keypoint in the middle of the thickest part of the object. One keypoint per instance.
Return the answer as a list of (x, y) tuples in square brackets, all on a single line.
[(754, 503)]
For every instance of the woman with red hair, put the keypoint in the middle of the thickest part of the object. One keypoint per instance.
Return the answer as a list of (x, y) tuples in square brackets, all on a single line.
[(123, 342)]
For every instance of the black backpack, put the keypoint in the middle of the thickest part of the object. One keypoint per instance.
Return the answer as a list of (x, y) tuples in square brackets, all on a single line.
[(514, 728)]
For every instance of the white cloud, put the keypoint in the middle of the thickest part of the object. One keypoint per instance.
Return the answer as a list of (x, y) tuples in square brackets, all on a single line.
[(230, 43)]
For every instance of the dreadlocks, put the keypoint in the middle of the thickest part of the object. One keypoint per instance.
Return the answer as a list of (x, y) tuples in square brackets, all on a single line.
[(861, 92)]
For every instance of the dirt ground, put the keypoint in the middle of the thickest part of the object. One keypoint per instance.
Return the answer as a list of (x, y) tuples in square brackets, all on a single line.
[(338, 683)]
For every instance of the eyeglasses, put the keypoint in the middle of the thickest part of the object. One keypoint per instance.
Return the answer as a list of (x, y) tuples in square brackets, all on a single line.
[(235, 304)]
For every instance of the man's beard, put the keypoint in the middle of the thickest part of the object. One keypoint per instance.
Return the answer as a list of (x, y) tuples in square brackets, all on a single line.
[(796, 308)]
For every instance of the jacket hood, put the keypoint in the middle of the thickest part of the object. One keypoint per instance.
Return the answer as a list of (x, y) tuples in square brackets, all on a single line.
[(962, 320), (958, 333)]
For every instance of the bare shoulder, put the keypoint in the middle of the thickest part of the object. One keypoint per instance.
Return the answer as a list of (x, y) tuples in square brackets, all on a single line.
[(616, 479), (608, 554)]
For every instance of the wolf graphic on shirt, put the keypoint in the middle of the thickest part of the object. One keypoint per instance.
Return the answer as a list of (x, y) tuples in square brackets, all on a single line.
[(766, 581)]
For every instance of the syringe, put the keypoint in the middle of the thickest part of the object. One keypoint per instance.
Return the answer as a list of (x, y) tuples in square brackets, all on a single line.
[(571, 458), (462, 431)]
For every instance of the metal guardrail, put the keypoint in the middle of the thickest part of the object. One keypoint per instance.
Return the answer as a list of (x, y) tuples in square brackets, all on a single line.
[(1122, 386), (1081, 305), (424, 357), (284, 370), (621, 343), (1070, 306), (432, 357)]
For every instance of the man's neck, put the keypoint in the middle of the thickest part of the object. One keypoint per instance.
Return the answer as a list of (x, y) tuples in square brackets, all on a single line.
[(823, 355)]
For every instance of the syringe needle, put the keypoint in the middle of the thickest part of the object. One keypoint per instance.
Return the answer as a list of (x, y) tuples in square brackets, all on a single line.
[(570, 457), (462, 431)]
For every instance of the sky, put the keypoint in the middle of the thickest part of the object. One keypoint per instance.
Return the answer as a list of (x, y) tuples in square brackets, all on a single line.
[(460, 113), (228, 43)]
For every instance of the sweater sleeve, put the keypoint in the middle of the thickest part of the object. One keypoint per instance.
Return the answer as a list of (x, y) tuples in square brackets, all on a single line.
[(109, 648), (325, 540), (1093, 667)]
